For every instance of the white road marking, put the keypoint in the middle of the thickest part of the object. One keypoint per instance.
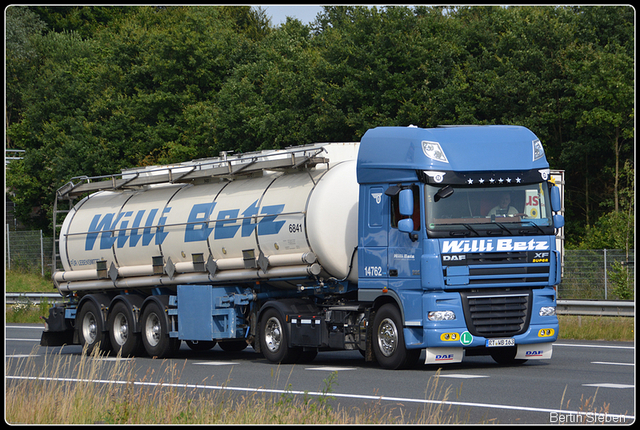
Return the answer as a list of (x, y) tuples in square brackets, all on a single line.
[(24, 340), (607, 385), (330, 369), (461, 376), (114, 358), (216, 363), (335, 395), (21, 356), (594, 346), (615, 364)]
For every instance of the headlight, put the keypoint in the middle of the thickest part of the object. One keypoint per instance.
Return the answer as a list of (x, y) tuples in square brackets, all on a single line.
[(547, 311), (441, 316)]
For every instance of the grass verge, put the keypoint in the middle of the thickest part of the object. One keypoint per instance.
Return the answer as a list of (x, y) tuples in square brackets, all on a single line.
[(596, 328), (18, 281), (68, 390)]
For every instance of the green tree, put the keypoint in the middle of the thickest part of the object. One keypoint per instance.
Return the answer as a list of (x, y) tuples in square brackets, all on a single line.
[(22, 28), (91, 90), (116, 100), (83, 20), (274, 100), (52, 124)]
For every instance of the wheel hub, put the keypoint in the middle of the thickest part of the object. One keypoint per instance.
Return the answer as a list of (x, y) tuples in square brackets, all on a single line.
[(273, 334), (121, 329), (387, 337)]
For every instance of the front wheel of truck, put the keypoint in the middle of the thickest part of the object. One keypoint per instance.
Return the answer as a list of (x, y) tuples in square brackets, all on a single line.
[(388, 340), (274, 340), (506, 356)]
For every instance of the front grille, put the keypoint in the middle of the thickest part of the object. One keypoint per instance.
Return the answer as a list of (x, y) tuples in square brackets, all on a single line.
[(496, 257), (496, 314), (485, 269)]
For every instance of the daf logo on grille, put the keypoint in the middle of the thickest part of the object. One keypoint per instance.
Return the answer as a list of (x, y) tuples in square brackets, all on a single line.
[(454, 257)]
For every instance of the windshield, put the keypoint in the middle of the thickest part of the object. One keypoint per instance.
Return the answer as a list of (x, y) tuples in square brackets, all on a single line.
[(476, 211)]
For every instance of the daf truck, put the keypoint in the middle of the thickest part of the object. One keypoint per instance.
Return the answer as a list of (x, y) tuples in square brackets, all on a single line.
[(440, 240)]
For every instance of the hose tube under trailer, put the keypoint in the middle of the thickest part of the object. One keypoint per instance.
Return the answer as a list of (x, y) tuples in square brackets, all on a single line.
[(189, 278)]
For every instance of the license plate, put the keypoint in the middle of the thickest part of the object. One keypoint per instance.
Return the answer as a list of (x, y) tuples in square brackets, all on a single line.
[(501, 342)]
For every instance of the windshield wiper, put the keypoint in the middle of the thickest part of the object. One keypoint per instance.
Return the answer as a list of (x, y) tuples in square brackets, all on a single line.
[(533, 224), (463, 233), (502, 227)]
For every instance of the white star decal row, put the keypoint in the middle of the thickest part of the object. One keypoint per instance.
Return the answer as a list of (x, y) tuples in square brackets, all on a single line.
[(493, 181)]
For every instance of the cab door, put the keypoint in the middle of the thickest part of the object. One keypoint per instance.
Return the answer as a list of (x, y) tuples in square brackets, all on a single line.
[(405, 254), (373, 236), (405, 248)]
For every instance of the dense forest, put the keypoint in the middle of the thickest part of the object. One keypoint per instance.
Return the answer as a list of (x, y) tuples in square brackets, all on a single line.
[(91, 90)]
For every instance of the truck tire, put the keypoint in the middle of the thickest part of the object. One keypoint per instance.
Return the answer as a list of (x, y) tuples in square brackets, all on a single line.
[(155, 332), (388, 340), (121, 324), (91, 328), (506, 356), (274, 340)]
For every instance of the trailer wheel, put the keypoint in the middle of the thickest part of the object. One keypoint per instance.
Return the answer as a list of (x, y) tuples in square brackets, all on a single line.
[(274, 341), (388, 340), (121, 335), (91, 328), (155, 333)]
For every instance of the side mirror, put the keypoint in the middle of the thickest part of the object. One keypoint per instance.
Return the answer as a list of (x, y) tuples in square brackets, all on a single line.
[(406, 203), (443, 193), (405, 225), (558, 221), (556, 203)]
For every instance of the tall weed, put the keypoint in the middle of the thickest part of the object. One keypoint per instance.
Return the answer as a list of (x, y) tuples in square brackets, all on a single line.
[(87, 389)]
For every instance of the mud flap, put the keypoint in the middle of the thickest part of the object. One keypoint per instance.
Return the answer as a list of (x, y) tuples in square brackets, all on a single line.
[(443, 355), (58, 330), (57, 338), (535, 351)]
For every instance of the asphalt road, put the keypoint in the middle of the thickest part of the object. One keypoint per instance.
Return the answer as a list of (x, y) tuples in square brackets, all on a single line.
[(537, 392)]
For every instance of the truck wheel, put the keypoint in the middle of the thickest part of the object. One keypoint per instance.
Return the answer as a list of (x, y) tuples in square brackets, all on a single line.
[(121, 335), (91, 328), (388, 340), (506, 356), (155, 333), (273, 339), (307, 356)]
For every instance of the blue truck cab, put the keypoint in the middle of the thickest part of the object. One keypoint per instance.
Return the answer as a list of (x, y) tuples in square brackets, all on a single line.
[(457, 227)]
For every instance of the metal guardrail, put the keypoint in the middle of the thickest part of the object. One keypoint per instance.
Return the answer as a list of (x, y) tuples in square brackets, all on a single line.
[(613, 308), (33, 298)]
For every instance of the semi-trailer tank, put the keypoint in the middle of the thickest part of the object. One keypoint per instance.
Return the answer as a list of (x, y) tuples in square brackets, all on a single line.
[(389, 246)]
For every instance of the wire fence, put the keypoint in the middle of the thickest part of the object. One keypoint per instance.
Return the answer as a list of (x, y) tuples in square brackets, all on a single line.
[(28, 251), (602, 274), (598, 274)]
